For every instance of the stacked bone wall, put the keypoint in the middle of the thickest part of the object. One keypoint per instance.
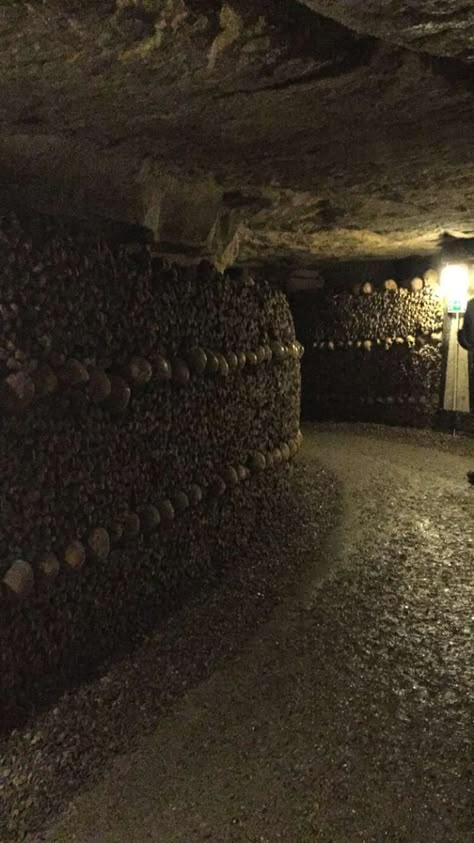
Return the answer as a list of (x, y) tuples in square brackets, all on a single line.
[(374, 357), (149, 417)]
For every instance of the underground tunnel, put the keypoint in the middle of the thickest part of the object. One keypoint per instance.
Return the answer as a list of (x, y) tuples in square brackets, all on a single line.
[(236, 415)]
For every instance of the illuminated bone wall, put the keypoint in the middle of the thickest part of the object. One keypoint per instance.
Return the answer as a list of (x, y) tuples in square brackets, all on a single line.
[(374, 354)]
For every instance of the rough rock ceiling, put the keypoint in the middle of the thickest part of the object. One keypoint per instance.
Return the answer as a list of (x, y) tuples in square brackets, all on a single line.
[(250, 129), (439, 27)]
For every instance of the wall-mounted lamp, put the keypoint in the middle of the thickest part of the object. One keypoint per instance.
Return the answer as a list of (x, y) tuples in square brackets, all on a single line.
[(457, 276), (454, 289), (454, 286)]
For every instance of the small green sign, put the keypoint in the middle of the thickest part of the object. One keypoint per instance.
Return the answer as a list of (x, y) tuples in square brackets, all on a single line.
[(455, 306)]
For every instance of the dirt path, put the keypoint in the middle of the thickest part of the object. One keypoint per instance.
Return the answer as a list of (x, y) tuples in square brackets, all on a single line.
[(347, 717)]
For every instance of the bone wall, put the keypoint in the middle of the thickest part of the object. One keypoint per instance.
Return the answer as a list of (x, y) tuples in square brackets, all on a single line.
[(373, 354), (149, 416)]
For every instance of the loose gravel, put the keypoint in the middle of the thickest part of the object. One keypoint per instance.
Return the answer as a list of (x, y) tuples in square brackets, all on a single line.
[(345, 718), (43, 765)]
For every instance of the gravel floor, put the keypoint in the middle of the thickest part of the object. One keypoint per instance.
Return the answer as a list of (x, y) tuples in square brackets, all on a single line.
[(345, 717), (43, 765)]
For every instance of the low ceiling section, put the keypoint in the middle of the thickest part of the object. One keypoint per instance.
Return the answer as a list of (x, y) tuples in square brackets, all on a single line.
[(251, 131)]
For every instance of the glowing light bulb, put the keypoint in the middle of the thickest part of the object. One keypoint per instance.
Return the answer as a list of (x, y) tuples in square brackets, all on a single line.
[(454, 284)]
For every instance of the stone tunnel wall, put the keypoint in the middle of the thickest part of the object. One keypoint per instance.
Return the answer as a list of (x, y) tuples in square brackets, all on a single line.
[(149, 418), (375, 357)]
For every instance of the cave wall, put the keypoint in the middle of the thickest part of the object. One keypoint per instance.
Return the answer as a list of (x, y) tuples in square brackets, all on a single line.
[(149, 417), (373, 357)]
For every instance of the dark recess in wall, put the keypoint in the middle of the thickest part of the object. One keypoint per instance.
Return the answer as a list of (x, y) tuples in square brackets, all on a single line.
[(340, 275)]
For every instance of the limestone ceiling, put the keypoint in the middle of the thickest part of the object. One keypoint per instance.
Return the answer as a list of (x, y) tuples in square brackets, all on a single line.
[(439, 27), (258, 130)]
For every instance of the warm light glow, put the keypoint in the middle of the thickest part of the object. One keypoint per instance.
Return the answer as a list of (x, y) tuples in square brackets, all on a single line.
[(454, 284)]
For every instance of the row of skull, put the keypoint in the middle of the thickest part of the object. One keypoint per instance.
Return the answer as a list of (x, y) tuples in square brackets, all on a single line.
[(21, 576), (20, 388), (371, 401), (386, 342)]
